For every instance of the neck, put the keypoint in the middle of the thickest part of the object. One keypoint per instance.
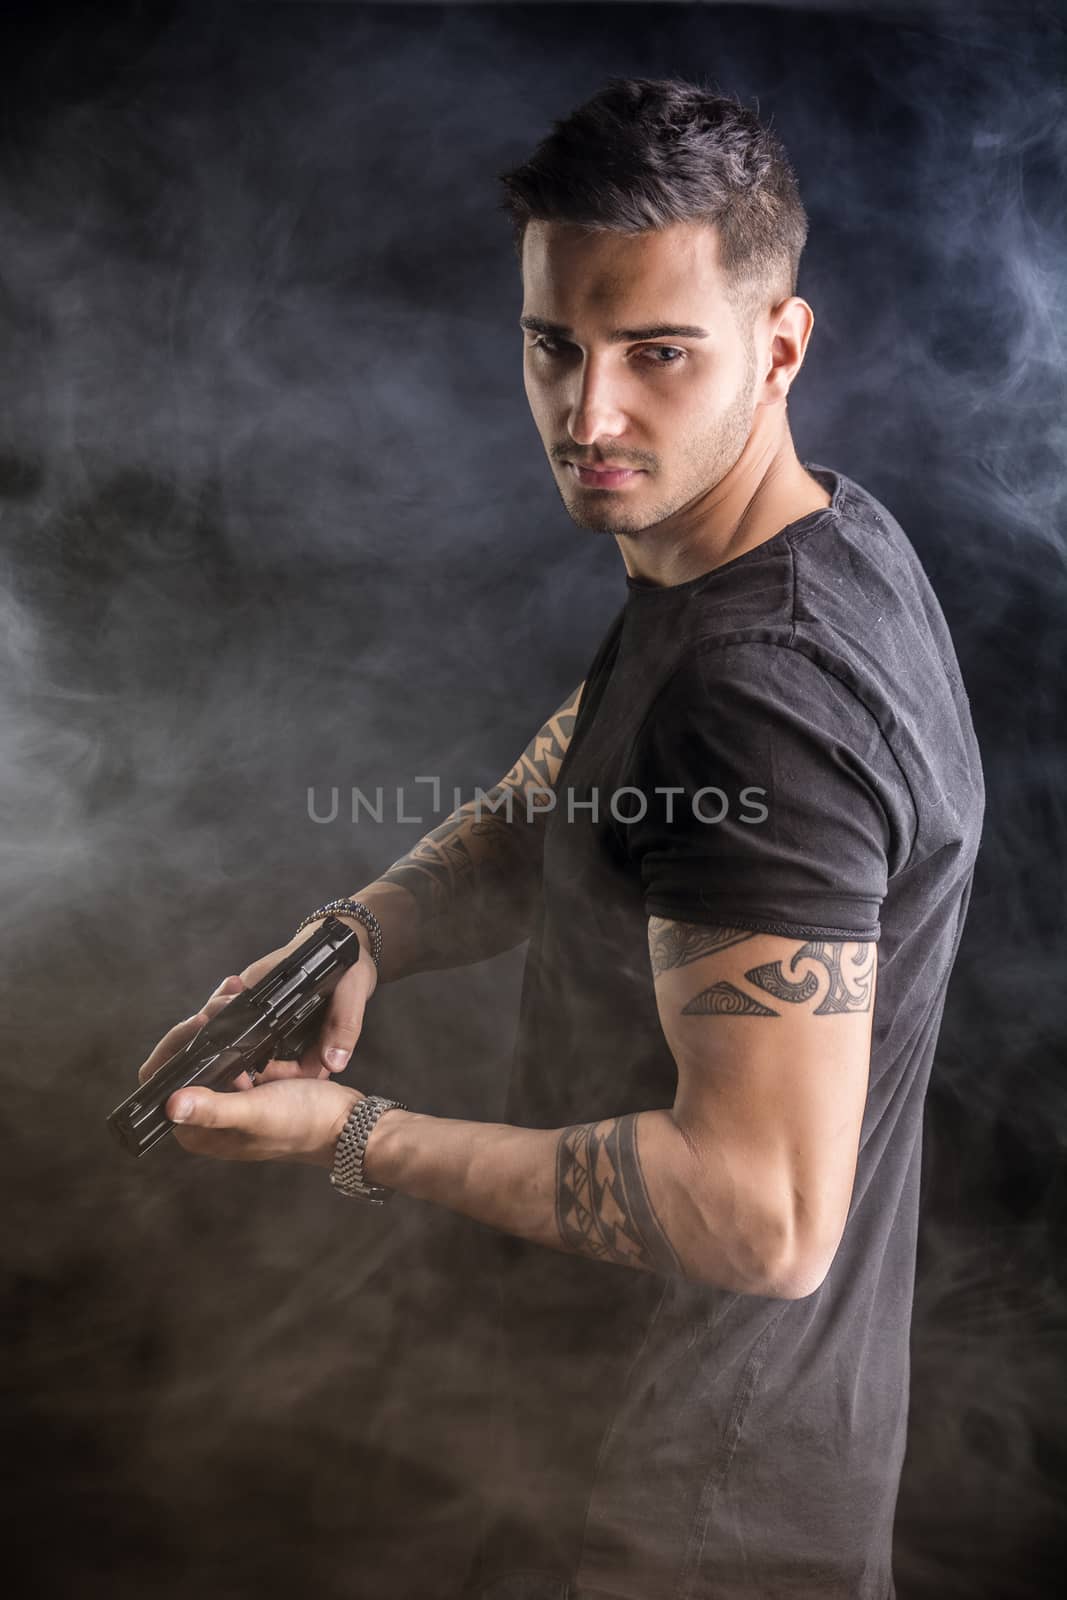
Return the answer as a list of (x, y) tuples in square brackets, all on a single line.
[(765, 490)]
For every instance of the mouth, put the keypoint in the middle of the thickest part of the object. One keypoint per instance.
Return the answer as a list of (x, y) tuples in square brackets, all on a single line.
[(605, 477)]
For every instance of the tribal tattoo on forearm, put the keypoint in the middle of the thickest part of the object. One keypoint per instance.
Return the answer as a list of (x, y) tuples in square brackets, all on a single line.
[(489, 836), (447, 860), (839, 972), (540, 762), (603, 1207)]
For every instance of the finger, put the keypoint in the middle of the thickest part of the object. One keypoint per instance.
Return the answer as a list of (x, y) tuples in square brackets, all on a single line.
[(225, 992), (183, 1031), (310, 1063), (209, 1108), (276, 1070), (344, 1019), (171, 1041), (259, 968)]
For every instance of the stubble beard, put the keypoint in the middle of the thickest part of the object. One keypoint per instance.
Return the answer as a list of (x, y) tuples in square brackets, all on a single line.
[(704, 463)]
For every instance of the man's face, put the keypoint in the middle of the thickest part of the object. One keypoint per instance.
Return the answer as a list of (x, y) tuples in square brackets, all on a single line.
[(633, 357)]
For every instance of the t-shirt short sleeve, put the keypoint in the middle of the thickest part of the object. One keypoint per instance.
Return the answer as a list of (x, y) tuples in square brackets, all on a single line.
[(772, 800)]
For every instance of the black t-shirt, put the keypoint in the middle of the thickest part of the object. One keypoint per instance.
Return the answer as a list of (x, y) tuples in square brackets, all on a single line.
[(782, 744)]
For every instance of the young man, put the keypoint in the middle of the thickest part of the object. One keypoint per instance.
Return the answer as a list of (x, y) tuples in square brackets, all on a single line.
[(754, 829)]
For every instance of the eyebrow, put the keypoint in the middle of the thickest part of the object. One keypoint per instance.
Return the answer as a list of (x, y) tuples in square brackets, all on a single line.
[(556, 330)]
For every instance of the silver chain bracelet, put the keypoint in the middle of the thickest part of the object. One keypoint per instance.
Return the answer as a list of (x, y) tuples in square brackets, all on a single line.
[(361, 913), (347, 1175)]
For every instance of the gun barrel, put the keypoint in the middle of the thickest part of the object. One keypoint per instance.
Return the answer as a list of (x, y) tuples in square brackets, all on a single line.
[(140, 1122)]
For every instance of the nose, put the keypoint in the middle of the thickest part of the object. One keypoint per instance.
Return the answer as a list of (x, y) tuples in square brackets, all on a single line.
[(595, 411)]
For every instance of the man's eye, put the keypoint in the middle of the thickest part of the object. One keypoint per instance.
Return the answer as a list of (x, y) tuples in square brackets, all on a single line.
[(655, 350), (654, 354)]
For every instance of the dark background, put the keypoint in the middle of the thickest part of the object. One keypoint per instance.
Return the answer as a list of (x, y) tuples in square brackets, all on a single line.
[(275, 517)]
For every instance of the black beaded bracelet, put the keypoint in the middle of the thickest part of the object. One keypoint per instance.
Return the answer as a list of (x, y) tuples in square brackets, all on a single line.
[(361, 913)]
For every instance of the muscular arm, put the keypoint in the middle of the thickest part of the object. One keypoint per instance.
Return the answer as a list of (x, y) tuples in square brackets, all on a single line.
[(466, 891), (772, 1040), (745, 1182)]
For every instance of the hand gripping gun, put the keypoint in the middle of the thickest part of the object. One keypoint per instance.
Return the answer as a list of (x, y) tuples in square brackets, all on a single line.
[(275, 1020)]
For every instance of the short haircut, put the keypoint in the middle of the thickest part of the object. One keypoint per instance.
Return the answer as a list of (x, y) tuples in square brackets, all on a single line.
[(644, 153)]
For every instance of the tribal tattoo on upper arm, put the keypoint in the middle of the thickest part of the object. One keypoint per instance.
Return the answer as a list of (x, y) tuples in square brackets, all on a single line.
[(603, 1207), (840, 973), (676, 944)]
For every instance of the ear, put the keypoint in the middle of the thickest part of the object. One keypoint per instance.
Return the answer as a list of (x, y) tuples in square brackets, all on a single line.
[(791, 323)]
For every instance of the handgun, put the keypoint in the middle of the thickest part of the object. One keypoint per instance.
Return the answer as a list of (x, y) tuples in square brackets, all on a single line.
[(275, 1020)]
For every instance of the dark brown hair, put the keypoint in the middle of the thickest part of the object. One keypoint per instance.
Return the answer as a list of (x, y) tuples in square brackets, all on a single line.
[(644, 153)]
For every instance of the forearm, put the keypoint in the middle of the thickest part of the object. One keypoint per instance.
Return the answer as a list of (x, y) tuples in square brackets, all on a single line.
[(463, 893), (623, 1190), (468, 890)]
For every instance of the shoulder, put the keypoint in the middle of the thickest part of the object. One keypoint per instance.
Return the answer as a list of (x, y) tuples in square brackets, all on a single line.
[(769, 679), (863, 597), (762, 713)]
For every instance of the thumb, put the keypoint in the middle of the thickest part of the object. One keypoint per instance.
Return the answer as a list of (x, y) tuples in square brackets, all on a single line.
[(344, 1020), (205, 1108)]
